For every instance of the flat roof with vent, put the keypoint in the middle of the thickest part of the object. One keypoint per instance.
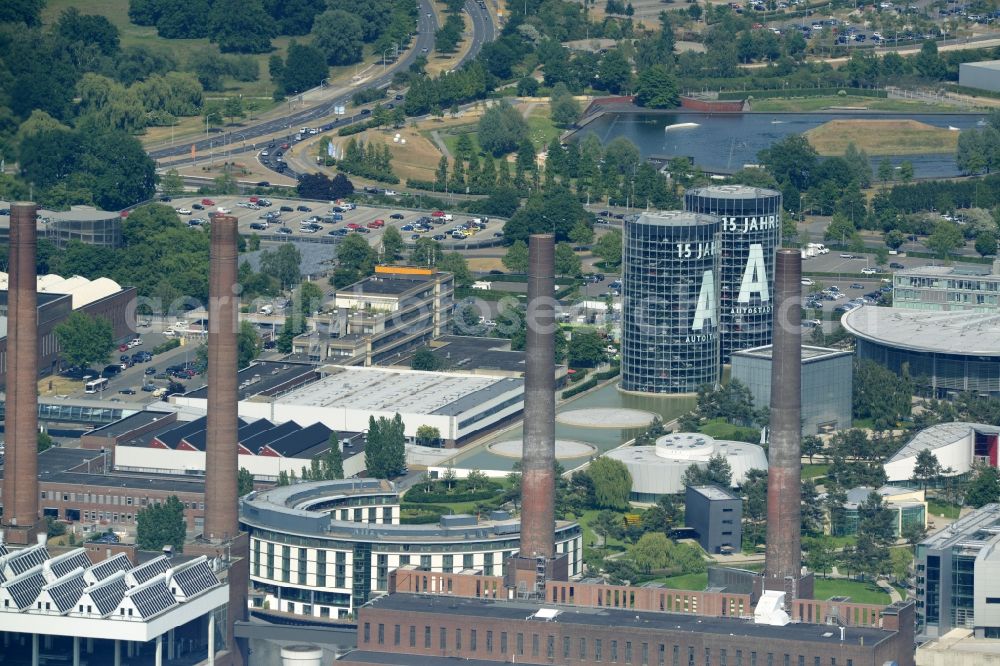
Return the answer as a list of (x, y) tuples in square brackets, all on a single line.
[(264, 378), (391, 390)]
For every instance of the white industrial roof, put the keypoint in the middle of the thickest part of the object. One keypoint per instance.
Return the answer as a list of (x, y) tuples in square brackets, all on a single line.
[(380, 389), (83, 291), (938, 436), (965, 333)]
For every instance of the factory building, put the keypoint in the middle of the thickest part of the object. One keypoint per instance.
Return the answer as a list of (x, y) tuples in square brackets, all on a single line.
[(827, 378), (670, 323), (345, 397), (750, 235)]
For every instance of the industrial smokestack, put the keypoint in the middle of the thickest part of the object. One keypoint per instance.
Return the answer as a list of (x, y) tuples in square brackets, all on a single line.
[(783, 557), (20, 488), (538, 456), (221, 501)]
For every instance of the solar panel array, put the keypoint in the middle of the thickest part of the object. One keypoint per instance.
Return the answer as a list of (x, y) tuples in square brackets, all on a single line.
[(149, 570), (25, 560), (195, 579), (70, 562), (67, 591), (3, 549), (109, 567), (108, 596), (152, 599), (25, 590)]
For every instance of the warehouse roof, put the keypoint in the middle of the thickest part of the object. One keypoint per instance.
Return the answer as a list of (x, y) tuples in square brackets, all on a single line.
[(961, 333), (939, 435), (82, 290)]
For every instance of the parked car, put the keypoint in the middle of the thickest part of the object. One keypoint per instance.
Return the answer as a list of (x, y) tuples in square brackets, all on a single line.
[(127, 391), (868, 270), (396, 216), (286, 209), (304, 209), (284, 231), (183, 211), (896, 265), (857, 285)]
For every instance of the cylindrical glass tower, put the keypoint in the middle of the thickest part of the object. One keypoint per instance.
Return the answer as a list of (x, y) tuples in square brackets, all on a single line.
[(751, 233), (670, 327)]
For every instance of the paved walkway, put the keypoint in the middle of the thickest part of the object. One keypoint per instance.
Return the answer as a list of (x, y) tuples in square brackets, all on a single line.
[(893, 592), (441, 145)]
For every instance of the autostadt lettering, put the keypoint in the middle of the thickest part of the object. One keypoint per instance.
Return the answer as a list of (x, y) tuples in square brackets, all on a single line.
[(744, 224), (697, 250)]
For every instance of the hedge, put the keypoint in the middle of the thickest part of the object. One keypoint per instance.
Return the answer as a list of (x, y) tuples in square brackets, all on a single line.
[(166, 346), (580, 388), (608, 374), (801, 92), (416, 496)]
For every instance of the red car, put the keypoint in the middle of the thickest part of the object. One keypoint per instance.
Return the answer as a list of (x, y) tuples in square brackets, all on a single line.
[(122, 348), (353, 225), (207, 202), (437, 213), (376, 224)]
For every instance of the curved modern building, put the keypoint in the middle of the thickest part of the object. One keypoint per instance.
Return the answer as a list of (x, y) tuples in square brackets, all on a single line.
[(326, 547), (750, 234), (659, 469), (945, 353), (670, 330)]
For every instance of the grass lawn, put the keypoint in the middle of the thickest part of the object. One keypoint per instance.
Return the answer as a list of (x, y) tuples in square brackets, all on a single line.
[(696, 581), (793, 104), (882, 137), (451, 134), (937, 508), (720, 429), (814, 471), (541, 130), (860, 593)]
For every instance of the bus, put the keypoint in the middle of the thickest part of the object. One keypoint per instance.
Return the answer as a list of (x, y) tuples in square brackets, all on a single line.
[(96, 385)]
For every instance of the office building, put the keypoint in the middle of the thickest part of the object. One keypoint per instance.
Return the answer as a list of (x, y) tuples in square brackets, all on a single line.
[(717, 516), (958, 577), (670, 323), (380, 317), (944, 353), (324, 548), (908, 507), (947, 289), (750, 234), (827, 378)]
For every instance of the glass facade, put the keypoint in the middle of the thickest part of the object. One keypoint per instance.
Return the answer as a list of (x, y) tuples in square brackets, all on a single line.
[(670, 332), (944, 292), (750, 234), (938, 374), (105, 231)]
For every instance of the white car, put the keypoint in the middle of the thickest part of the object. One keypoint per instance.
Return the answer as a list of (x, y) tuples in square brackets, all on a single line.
[(869, 271), (183, 211), (264, 153), (807, 282)]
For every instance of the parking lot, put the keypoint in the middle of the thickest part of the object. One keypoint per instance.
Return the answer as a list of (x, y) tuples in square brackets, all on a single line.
[(294, 215)]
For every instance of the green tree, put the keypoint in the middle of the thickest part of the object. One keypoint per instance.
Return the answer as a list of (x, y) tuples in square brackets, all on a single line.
[(84, 339), (820, 554), (657, 88), (516, 258), (895, 239), (986, 243), (609, 248), (44, 441), (385, 450), (586, 347), (455, 263), (162, 524), (582, 233), (392, 245), (244, 482), (333, 460), (927, 469), (305, 68), (946, 238), (282, 264), (501, 129), (563, 108), (428, 436), (651, 552), (425, 359), (881, 394), (338, 35), (906, 171), (717, 472), (811, 446), (612, 483), (567, 262), (984, 487), (171, 183), (248, 343)]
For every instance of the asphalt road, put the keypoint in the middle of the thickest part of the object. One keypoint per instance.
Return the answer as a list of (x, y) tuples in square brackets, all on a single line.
[(289, 124), (284, 128)]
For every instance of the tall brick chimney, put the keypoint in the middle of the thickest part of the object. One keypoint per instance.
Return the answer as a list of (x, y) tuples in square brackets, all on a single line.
[(538, 457), (20, 488), (783, 557), (221, 458)]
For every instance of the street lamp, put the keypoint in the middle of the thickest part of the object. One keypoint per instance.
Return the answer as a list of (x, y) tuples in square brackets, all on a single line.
[(383, 58)]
